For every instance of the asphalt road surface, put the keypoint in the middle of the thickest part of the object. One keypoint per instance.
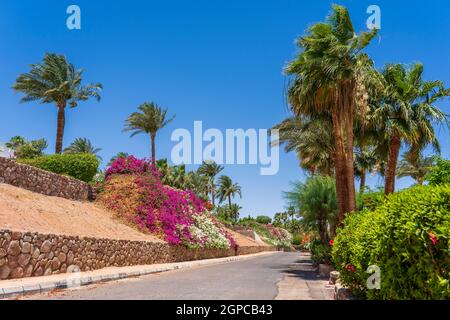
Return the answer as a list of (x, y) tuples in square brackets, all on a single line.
[(253, 279)]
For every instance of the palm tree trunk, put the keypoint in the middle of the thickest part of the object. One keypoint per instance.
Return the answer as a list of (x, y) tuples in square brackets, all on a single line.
[(153, 136), (391, 168), (229, 200), (213, 195), (349, 93), (341, 184), (362, 185), (61, 122)]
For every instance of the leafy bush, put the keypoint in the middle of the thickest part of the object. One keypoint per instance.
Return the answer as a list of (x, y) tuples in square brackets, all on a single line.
[(263, 219), (24, 149), (320, 253), (371, 199), (79, 166), (407, 237), (440, 173)]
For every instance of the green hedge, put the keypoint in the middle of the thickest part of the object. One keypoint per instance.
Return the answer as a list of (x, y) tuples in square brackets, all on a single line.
[(79, 166), (408, 237)]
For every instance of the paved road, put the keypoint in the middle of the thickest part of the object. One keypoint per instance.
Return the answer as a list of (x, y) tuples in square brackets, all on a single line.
[(256, 278)]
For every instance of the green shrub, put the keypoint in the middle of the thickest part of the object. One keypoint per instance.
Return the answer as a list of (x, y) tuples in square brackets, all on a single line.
[(79, 166), (320, 253), (440, 173), (371, 199), (407, 237), (264, 219), (297, 240)]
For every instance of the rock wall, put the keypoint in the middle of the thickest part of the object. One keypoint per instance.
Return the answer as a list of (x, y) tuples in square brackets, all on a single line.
[(41, 181), (33, 254)]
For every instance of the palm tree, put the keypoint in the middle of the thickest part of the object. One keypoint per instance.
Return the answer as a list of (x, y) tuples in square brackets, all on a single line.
[(407, 114), (234, 211), (210, 169), (197, 183), (56, 81), (82, 145), (151, 119), (329, 80), (311, 139), (315, 200), (416, 168), (228, 189), (366, 160)]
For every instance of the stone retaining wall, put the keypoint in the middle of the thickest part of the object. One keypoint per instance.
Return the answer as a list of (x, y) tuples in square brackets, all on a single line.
[(41, 181), (32, 254)]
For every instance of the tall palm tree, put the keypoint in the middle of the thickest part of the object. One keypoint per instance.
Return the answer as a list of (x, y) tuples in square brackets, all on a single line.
[(82, 145), (211, 169), (329, 79), (150, 120), (228, 189), (55, 80), (416, 168), (407, 114)]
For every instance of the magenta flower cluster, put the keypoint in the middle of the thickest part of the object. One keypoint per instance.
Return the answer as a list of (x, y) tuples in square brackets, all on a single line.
[(128, 165), (164, 210)]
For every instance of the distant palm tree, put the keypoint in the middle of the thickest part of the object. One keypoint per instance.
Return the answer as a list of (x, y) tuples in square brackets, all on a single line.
[(210, 169), (234, 211), (56, 81), (366, 160), (151, 119), (82, 145), (228, 189), (416, 168)]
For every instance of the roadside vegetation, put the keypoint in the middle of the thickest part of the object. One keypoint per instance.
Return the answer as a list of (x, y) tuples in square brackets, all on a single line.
[(350, 119)]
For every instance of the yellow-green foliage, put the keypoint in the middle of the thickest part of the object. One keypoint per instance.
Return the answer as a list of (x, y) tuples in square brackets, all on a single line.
[(79, 166), (407, 237)]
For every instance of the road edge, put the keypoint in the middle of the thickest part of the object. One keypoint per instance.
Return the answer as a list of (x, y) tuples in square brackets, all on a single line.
[(26, 286)]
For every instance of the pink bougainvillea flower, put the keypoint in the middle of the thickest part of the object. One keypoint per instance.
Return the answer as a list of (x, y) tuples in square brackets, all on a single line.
[(331, 242), (434, 240)]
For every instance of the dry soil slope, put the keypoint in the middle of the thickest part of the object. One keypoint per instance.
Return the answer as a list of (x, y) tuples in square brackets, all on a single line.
[(23, 210)]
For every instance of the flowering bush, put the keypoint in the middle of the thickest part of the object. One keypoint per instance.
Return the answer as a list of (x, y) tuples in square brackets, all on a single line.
[(407, 237), (134, 190), (128, 165)]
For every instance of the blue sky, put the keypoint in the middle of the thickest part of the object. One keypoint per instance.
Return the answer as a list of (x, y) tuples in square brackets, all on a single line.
[(216, 61)]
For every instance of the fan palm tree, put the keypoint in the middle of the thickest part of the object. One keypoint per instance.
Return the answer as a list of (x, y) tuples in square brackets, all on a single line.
[(150, 120), (56, 81), (407, 114), (329, 80), (228, 189), (211, 169), (315, 200), (311, 139), (416, 168), (82, 145)]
